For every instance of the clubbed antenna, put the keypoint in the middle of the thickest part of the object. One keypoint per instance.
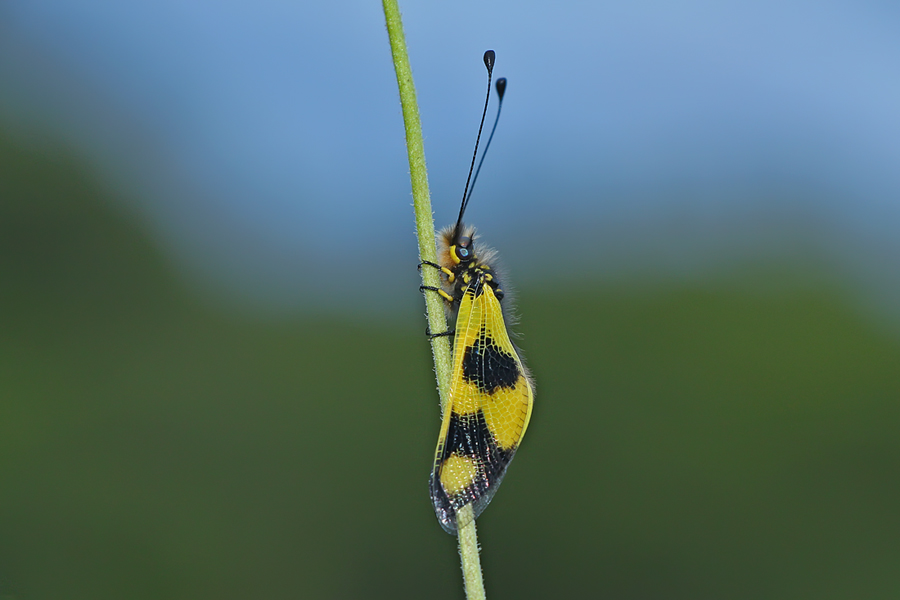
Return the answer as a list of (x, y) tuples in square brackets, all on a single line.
[(489, 58), (501, 89)]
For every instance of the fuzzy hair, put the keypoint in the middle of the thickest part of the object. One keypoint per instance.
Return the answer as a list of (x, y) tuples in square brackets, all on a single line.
[(484, 255), (489, 257)]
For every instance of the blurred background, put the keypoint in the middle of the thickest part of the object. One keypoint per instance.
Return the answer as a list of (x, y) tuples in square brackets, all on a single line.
[(213, 376)]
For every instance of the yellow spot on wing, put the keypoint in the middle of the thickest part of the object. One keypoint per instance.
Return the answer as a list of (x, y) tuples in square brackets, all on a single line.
[(507, 414), (458, 473)]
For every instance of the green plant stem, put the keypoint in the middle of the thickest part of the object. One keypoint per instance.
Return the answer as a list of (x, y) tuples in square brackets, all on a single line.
[(418, 175), (437, 322), (468, 553)]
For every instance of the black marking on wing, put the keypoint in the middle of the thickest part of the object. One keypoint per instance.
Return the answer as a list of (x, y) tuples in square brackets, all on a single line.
[(468, 435), (486, 365)]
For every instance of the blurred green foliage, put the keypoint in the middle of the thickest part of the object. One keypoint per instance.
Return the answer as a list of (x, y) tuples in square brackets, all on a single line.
[(693, 441)]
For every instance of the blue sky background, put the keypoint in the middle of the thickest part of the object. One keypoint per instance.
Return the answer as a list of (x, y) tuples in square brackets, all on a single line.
[(263, 145)]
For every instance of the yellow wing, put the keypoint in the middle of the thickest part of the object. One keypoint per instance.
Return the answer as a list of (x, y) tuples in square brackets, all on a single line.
[(487, 413)]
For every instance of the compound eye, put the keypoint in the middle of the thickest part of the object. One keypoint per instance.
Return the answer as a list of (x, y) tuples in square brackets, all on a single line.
[(464, 249)]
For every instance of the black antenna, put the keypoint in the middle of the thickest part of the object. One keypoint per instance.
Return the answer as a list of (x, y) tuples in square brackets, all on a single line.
[(489, 57), (501, 89)]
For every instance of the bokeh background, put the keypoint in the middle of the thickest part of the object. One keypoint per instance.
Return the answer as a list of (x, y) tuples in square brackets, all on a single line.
[(214, 381)]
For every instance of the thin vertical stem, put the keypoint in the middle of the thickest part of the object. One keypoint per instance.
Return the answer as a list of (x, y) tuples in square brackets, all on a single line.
[(418, 175), (468, 553), (440, 346)]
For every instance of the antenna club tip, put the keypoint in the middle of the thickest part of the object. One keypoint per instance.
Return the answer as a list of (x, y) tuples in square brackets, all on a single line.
[(489, 58), (501, 87)]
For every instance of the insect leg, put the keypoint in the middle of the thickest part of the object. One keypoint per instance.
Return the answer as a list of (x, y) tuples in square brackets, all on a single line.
[(450, 275), (431, 336), (445, 296), (440, 292)]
